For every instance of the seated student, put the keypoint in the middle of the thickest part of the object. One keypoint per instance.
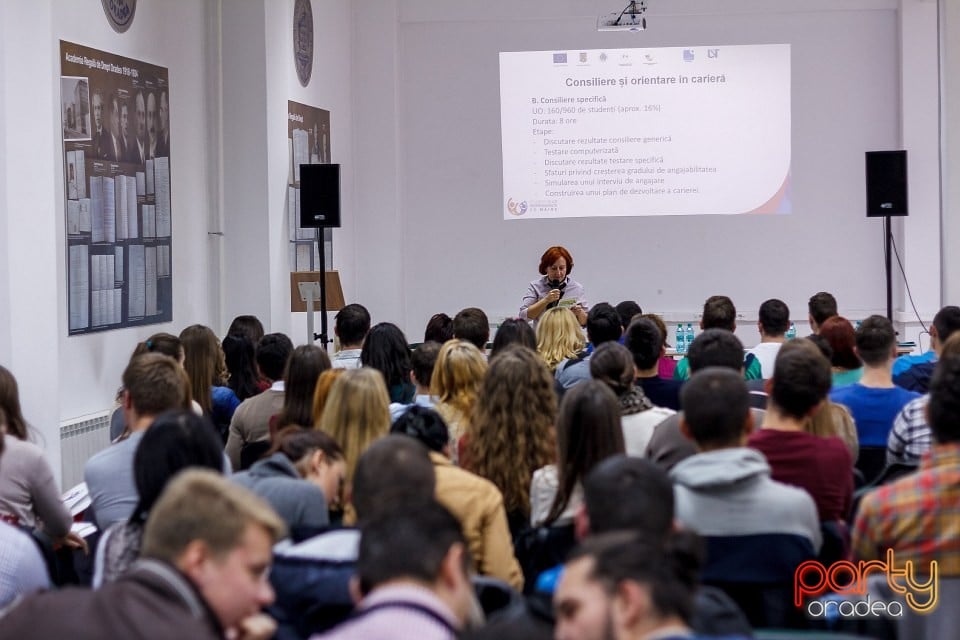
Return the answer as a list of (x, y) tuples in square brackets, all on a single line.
[(820, 307), (612, 364), (203, 574), (423, 361), (471, 324), (207, 370), (603, 325), (305, 365), (821, 466), (757, 530), (475, 501), (351, 325), (712, 348), (773, 325), (560, 338), (666, 366), (301, 479), (457, 376), (412, 575), (842, 338), (916, 376), (513, 331), (386, 350), (22, 570), (175, 441), (719, 313), (646, 343), (312, 578), (439, 328), (875, 401)]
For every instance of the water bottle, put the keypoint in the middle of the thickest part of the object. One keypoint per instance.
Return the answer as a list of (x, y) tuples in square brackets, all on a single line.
[(680, 339), (689, 338), (792, 332)]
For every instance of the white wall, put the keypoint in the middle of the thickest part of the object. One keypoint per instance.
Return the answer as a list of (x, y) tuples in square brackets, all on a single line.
[(950, 176), (453, 249)]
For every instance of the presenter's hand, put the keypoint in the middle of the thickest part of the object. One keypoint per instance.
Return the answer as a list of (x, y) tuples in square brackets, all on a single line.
[(580, 313), (552, 296)]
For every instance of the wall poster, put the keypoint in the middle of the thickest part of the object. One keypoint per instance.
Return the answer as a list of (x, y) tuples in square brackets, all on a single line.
[(308, 142), (116, 148)]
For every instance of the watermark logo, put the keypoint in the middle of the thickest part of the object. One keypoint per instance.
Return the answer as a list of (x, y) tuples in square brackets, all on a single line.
[(832, 591), (516, 208)]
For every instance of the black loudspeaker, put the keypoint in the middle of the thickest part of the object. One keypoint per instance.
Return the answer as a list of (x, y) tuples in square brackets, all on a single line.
[(886, 183), (319, 195)]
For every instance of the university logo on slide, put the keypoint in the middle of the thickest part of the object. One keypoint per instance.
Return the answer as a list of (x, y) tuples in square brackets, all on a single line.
[(516, 208), (560, 58), (832, 590)]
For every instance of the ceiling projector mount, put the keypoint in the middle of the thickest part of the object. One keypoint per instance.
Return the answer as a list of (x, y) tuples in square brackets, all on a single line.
[(630, 19)]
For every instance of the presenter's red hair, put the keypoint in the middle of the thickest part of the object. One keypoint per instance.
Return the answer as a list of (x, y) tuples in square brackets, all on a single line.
[(553, 254)]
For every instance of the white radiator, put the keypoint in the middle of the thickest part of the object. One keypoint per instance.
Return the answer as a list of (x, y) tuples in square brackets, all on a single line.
[(80, 438)]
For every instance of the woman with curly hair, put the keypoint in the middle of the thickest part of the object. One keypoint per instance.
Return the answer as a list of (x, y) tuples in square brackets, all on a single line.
[(511, 428), (457, 376), (207, 368), (559, 337)]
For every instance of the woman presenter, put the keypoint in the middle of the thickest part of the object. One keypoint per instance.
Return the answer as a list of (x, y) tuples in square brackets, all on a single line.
[(554, 288)]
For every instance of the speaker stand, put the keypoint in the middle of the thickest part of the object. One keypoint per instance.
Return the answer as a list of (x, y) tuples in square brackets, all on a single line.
[(321, 249), (888, 242)]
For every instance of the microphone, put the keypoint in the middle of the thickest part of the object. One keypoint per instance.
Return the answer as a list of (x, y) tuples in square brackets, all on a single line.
[(556, 284)]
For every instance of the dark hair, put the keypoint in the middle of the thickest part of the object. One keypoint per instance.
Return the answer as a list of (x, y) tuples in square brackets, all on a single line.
[(822, 344), (513, 331), (165, 343), (842, 338), (669, 568), (238, 352), (10, 404), (425, 425), (947, 321), (715, 348), (588, 431), (439, 328), (612, 364), (296, 443), (553, 254), (821, 306), (801, 380), (306, 364), (645, 343), (385, 349), (422, 361), (175, 441), (249, 326), (471, 324), (352, 324), (774, 317), (943, 410), (716, 404), (719, 313), (626, 310), (876, 338), (273, 351), (624, 492), (3, 425), (603, 324), (155, 383), (393, 470), (408, 542)]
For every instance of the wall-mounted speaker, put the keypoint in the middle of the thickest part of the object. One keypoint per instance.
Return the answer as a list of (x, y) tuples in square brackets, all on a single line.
[(886, 183), (319, 195)]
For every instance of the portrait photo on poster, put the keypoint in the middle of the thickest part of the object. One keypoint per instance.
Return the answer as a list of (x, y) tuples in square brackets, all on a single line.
[(75, 108)]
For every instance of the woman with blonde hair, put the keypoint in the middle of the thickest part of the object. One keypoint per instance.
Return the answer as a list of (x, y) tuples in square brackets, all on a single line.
[(457, 376), (511, 428), (206, 367), (321, 393), (559, 337)]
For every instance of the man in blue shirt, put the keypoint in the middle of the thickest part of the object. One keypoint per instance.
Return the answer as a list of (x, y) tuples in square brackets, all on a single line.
[(913, 372)]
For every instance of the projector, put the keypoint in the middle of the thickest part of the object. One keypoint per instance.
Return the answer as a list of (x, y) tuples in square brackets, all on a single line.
[(630, 19)]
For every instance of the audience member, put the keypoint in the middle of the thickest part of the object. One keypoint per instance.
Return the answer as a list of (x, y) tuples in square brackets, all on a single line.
[(177, 440), (588, 431), (321, 393), (773, 325), (832, 419), (511, 429), (719, 313), (239, 356), (385, 349), (603, 325), (875, 401), (439, 328), (475, 501), (821, 466), (247, 325), (840, 335), (916, 377), (513, 331), (152, 384), (667, 365), (612, 364), (301, 478), (627, 310), (820, 307), (471, 324), (203, 574), (423, 361), (457, 376), (560, 338), (351, 325), (412, 575), (645, 342), (304, 367), (207, 369), (251, 420)]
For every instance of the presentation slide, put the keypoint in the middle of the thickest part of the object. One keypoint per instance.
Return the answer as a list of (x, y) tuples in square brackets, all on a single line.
[(642, 132)]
